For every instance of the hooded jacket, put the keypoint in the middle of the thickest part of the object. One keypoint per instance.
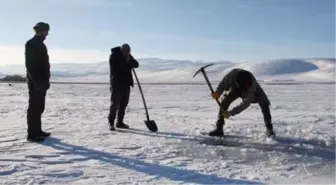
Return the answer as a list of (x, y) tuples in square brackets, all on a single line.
[(120, 69)]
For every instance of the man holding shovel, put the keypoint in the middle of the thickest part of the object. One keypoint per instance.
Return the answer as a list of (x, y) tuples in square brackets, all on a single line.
[(241, 83), (121, 79)]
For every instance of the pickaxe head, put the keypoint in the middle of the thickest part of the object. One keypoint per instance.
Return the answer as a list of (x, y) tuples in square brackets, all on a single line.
[(202, 69)]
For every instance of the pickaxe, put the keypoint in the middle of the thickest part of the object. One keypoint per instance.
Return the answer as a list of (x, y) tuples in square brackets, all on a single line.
[(202, 70)]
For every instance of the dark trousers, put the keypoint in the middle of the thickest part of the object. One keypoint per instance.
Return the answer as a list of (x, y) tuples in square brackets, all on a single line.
[(119, 101), (231, 97), (35, 110)]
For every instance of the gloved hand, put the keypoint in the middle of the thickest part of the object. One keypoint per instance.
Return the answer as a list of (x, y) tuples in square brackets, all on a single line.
[(226, 114), (215, 95), (132, 65)]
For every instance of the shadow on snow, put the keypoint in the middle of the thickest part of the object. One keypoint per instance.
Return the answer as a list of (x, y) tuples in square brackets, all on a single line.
[(295, 146), (169, 172)]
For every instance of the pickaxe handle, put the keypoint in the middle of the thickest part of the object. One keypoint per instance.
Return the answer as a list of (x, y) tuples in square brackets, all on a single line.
[(210, 87), (202, 70)]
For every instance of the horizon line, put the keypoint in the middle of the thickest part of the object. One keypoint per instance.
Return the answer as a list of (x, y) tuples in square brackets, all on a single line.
[(205, 61)]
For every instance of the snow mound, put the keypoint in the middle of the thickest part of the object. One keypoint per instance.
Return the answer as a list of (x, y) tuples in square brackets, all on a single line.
[(279, 67), (181, 71), (326, 69)]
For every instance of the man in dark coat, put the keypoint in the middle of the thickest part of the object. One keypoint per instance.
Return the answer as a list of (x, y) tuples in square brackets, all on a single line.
[(243, 84), (121, 80), (38, 75)]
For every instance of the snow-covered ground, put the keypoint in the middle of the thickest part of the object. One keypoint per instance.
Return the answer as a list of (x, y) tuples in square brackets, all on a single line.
[(83, 151)]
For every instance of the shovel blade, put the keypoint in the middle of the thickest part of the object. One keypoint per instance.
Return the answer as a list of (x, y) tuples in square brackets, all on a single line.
[(151, 125)]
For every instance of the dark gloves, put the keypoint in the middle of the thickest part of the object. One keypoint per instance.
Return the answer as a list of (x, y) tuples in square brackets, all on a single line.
[(133, 65)]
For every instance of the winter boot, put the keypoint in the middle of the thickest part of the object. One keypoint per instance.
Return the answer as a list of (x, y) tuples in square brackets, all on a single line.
[(111, 123), (218, 131), (269, 130), (35, 138), (112, 128), (121, 124), (44, 134)]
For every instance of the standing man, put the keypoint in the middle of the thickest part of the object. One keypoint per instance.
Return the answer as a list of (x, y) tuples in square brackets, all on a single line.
[(241, 83), (121, 79), (38, 75)]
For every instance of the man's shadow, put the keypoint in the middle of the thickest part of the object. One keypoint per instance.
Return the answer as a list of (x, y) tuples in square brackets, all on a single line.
[(203, 139), (283, 144), (169, 172), (296, 146)]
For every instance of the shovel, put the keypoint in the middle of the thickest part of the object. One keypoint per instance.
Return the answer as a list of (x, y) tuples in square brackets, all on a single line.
[(151, 125)]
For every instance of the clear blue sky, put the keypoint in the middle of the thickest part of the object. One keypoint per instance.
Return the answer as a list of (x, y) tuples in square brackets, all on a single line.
[(176, 29)]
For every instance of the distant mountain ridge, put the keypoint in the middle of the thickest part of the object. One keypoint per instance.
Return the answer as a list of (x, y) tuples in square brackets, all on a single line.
[(169, 71)]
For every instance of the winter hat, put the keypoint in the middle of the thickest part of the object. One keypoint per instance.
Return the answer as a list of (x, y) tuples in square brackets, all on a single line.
[(41, 26)]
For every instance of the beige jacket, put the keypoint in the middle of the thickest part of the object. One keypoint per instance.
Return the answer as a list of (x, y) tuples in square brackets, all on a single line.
[(255, 94)]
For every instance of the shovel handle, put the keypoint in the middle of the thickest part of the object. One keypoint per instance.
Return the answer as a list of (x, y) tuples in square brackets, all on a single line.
[(142, 96)]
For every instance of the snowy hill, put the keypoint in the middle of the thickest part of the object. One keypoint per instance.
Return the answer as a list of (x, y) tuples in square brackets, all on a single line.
[(173, 71)]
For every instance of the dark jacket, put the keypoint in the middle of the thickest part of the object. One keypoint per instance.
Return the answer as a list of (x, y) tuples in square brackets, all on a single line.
[(37, 63), (120, 69), (255, 94)]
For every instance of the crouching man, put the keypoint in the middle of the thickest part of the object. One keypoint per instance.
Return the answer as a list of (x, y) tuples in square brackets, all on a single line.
[(241, 83)]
